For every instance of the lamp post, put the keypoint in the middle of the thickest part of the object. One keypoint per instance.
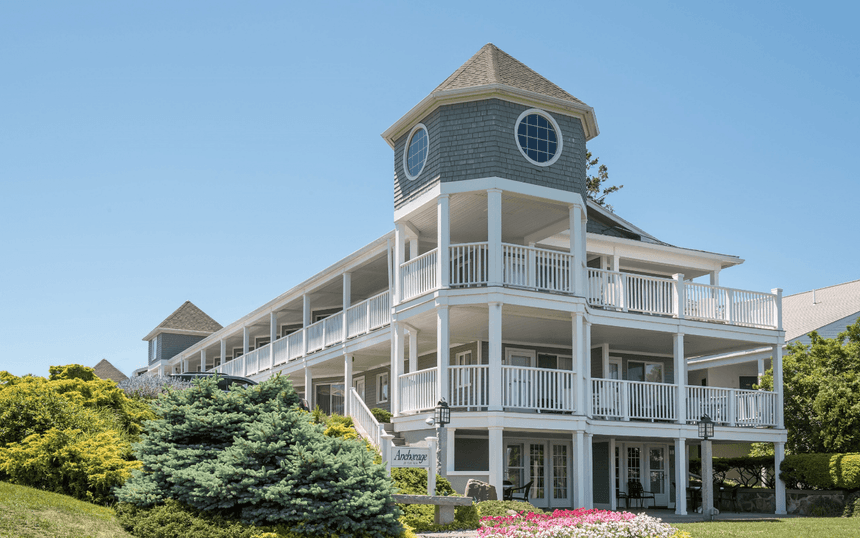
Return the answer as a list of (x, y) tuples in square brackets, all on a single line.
[(706, 431), (441, 417)]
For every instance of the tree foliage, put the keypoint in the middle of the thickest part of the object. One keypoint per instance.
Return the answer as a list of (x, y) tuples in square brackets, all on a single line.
[(822, 393), (594, 183), (251, 454)]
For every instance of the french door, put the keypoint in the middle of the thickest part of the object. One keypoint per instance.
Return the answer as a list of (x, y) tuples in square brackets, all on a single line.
[(647, 464), (545, 463)]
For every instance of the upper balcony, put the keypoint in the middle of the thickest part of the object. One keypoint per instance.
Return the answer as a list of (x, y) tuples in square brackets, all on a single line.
[(545, 270)]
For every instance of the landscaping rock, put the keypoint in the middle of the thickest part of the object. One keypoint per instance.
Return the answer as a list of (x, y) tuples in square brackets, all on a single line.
[(481, 491)]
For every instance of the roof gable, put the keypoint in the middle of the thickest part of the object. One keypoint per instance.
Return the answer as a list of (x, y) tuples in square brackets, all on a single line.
[(105, 370), (187, 319), (801, 314), (491, 65)]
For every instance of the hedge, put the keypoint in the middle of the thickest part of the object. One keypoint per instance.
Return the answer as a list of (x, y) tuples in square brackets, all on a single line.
[(822, 471)]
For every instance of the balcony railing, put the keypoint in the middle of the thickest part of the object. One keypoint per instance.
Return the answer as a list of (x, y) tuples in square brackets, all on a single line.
[(540, 389), (662, 296), (365, 422), (732, 407), (362, 318), (470, 265), (418, 276), (418, 391), (468, 386)]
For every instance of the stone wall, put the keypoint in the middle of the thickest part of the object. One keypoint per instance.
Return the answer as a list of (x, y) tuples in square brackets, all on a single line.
[(798, 501)]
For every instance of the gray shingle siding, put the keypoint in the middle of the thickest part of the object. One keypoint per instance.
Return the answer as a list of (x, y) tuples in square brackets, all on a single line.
[(171, 344), (476, 139)]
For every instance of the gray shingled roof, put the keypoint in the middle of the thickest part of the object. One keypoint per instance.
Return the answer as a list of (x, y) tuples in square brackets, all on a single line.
[(190, 318), (491, 65), (105, 370), (801, 316)]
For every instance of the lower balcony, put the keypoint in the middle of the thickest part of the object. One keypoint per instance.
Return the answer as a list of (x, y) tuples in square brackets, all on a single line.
[(542, 390)]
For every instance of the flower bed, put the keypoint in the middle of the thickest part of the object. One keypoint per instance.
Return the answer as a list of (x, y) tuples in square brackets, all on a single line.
[(574, 524)]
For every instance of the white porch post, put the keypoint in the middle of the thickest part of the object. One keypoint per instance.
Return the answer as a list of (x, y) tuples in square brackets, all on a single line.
[(680, 298), (578, 362), (397, 344), (246, 337), (605, 358), (273, 335), (778, 456), (347, 295), (494, 376), (776, 362), (433, 445), (707, 457), (589, 470), (443, 346), (309, 387), (586, 376), (681, 479), (183, 365), (579, 473), (613, 494), (449, 450), (223, 357), (203, 360), (399, 248), (778, 317), (413, 350), (496, 459), (347, 382), (576, 248), (306, 320), (443, 240), (680, 378), (715, 277), (494, 236)]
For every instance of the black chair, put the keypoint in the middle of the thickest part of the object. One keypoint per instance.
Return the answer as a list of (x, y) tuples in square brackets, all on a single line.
[(619, 496), (729, 497), (635, 491), (511, 493)]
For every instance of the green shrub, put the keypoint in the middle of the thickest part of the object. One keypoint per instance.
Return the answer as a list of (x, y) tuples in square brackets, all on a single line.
[(250, 454), (500, 508), (381, 415), (410, 481), (852, 505), (822, 471)]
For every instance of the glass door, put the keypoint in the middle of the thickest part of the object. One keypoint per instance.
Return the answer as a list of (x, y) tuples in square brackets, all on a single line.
[(657, 476), (358, 385), (329, 398), (547, 464), (515, 381)]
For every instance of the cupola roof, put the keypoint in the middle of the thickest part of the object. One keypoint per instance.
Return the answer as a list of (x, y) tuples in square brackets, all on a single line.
[(187, 319)]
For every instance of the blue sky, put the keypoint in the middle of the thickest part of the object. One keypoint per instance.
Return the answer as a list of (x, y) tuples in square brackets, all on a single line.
[(221, 152)]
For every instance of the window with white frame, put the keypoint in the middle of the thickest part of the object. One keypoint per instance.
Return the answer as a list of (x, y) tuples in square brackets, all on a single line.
[(520, 357), (382, 388)]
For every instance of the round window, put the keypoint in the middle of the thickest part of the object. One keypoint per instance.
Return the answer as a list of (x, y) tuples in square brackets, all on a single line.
[(538, 137), (415, 154)]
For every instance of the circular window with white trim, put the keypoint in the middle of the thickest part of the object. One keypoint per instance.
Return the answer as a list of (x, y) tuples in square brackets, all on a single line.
[(538, 137), (415, 153)]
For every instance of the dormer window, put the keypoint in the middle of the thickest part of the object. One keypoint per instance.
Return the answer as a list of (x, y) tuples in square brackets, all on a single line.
[(415, 153), (538, 137)]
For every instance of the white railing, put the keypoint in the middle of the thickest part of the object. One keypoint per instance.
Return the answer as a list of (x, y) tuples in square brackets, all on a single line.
[(518, 266), (629, 292), (316, 336), (711, 401), (419, 276), (468, 386), (605, 288), (755, 408), (608, 398), (538, 388), (368, 315), (296, 345), (536, 268), (738, 307), (614, 398), (470, 264), (281, 351), (356, 319), (333, 329), (418, 391), (363, 419), (379, 308), (257, 360)]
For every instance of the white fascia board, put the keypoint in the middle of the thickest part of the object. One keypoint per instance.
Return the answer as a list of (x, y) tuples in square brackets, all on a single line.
[(158, 330), (490, 91), (665, 254), (345, 265), (729, 359)]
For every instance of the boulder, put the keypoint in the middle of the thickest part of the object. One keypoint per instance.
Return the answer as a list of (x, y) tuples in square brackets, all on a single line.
[(481, 491)]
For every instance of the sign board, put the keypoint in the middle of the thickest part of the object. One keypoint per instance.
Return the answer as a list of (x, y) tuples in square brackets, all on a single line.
[(406, 456)]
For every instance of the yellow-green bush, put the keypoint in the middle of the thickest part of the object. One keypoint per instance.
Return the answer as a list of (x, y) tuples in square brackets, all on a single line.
[(822, 471)]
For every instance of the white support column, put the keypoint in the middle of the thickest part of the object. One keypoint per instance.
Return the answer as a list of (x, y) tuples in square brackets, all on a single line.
[(443, 353), (273, 335), (497, 459), (413, 350), (707, 457), (680, 378), (433, 445), (586, 376), (309, 387), (347, 294), (680, 297), (389, 261), (246, 339), (398, 343), (399, 254), (576, 248), (681, 479), (589, 470), (778, 456), (494, 376), (413, 247), (449, 450), (605, 358), (385, 440), (183, 365), (776, 362), (494, 236), (715, 277), (760, 365), (443, 240), (223, 357), (579, 363), (347, 382), (778, 316), (203, 360), (613, 498), (306, 320), (579, 473)]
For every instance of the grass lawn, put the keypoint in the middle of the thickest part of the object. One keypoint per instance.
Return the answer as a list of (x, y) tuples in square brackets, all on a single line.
[(801, 527), (32, 513)]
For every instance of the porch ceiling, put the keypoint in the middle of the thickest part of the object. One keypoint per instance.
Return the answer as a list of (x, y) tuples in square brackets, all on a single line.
[(639, 340)]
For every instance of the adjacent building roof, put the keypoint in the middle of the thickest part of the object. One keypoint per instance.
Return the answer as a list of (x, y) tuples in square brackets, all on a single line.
[(812, 310), (105, 370), (187, 319), (491, 65)]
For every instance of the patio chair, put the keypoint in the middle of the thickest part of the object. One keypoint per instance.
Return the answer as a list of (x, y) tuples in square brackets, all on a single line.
[(636, 492), (511, 493), (729, 497)]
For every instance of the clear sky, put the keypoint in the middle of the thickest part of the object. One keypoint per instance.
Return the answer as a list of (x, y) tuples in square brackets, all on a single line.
[(222, 152)]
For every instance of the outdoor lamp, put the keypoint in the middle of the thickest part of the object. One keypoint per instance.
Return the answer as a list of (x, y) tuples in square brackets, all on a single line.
[(706, 427), (443, 413)]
